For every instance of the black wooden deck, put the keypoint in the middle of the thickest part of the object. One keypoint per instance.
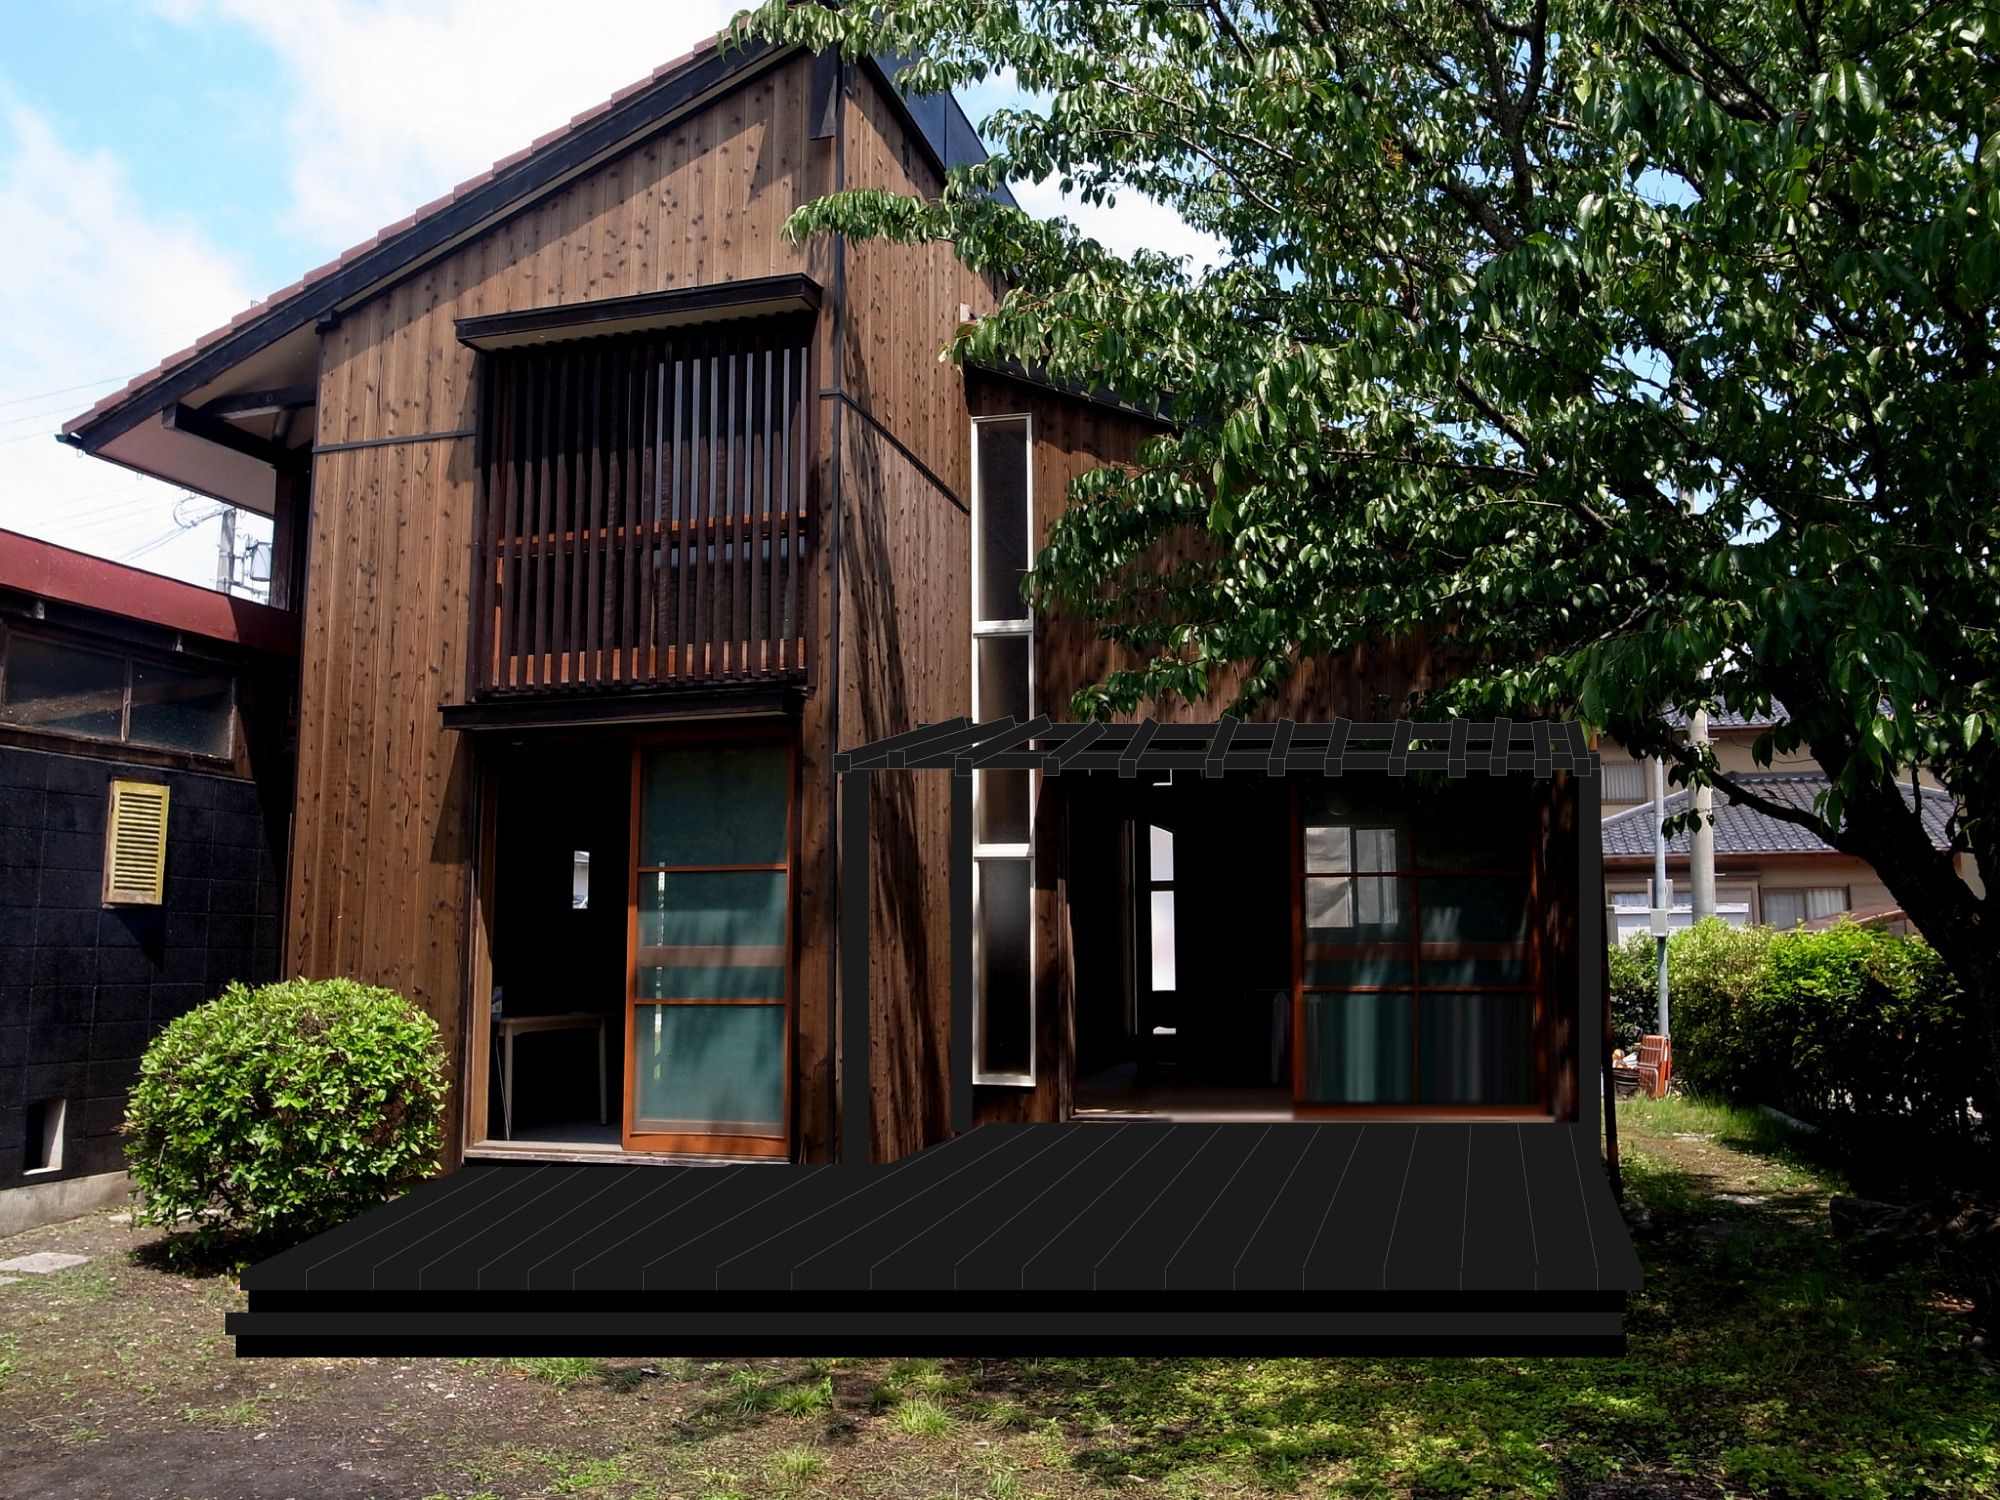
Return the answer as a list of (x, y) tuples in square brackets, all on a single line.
[(1303, 1238)]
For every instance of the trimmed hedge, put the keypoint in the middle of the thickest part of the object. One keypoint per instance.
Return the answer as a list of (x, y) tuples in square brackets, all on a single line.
[(285, 1110), (1842, 1026)]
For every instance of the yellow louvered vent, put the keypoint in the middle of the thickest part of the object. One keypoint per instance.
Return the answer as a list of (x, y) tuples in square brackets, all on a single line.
[(135, 845)]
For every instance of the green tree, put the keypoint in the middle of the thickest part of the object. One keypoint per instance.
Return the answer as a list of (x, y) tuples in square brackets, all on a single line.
[(1605, 344)]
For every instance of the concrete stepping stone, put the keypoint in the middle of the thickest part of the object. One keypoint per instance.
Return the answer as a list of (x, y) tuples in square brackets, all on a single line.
[(43, 1261)]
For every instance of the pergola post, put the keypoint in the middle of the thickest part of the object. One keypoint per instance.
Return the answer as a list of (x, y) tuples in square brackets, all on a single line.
[(961, 954), (855, 1047)]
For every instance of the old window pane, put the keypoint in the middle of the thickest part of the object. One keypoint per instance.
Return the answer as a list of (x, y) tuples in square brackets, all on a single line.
[(180, 710), (64, 689)]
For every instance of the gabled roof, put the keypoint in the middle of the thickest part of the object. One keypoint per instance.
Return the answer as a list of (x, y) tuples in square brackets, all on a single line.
[(1740, 829), (260, 347)]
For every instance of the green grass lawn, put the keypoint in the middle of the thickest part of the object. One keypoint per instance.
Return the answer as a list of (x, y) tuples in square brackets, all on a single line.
[(1759, 1358), (1762, 1362)]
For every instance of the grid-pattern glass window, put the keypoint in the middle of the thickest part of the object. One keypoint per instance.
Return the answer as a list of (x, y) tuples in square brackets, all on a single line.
[(1418, 971), (1790, 907), (1002, 800), (709, 1012), (103, 695)]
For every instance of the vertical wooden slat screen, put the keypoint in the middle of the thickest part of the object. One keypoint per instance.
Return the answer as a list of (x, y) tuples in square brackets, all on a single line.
[(641, 516)]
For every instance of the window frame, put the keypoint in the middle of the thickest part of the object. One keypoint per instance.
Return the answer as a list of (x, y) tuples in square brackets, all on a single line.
[(984, 854), (778, 1143), (1412, 870), (129, 657)]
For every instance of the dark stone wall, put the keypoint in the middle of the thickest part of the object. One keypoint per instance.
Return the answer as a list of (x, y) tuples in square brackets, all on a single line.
[(85, 987)]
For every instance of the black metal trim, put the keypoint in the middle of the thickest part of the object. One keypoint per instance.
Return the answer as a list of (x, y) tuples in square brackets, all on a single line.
[(539, 711), (211, 429), (897, 443), (756, 297), (856, 1052), (1541, 747), (391, 442)]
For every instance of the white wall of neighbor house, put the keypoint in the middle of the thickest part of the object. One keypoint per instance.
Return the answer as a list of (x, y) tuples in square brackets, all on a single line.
[(1628, 782)]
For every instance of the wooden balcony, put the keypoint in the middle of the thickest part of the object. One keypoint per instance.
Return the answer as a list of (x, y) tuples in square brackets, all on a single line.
[(644, 512)]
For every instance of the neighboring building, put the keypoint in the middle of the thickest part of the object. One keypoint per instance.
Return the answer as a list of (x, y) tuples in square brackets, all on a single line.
[(1766, 870), (145, 788)]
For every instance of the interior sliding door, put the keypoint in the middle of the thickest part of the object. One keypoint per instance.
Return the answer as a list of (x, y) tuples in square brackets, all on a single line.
[(1419, 981), (708, 1051)]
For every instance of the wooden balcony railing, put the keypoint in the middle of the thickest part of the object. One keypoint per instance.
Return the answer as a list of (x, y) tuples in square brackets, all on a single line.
[(644, 513)]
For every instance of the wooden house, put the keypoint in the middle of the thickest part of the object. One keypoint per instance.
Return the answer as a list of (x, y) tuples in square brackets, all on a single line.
[(612, 518)]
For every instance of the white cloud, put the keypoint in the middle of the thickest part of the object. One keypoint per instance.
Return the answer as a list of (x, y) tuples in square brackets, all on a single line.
[(395, 101), (92, 289)]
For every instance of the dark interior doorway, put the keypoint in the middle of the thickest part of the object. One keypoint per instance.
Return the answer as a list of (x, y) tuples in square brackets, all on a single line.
[(1181, 915), (562, 875)]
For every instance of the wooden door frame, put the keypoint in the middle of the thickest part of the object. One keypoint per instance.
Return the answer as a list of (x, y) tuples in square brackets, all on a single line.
[(693, 1143), (1541, 1110)]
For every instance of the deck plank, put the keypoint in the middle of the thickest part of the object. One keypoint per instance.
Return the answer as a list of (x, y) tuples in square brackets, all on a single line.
[(1353, 1252), (1081, 1168), (1105, 1219), (1565, 1250), (293, 1269), (1428, 1245), (1274, 1257), (913, 1242), (1140, 1259), (1208, 1255), (447, 1256), (436, 1208), (581, 1205), (611, 1255), (926, 1182), (1498, 1216)]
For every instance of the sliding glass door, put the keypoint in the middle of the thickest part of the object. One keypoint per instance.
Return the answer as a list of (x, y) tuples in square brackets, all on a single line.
[(708, 1049), (1419, 985)]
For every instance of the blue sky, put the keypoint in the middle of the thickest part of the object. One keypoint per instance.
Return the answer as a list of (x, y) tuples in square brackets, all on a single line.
[(164, 163)]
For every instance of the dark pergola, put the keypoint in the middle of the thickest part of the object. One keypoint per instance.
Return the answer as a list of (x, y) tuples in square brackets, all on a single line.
[(1458, 747)]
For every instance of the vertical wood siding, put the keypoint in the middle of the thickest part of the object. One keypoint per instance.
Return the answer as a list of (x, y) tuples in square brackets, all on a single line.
[(382, 852)]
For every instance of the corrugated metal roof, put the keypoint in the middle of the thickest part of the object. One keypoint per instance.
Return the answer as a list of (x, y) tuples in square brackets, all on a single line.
[(1740, 829)]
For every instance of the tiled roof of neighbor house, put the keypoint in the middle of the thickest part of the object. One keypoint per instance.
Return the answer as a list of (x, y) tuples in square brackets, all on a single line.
[(1743, 830), (1730, 719), (478, 200)]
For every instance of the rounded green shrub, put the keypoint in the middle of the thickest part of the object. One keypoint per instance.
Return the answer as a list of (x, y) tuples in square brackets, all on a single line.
[(285, 1110)]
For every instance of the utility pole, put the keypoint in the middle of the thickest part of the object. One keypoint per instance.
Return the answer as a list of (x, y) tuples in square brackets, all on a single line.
[(1663, 888), (225, 553), (1701, 841)]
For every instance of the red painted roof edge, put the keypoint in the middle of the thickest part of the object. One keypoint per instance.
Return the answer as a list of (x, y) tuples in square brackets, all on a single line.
[(51, 572)]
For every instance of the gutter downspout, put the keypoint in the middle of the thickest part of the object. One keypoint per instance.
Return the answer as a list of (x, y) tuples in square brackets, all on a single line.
[(837, 1148)]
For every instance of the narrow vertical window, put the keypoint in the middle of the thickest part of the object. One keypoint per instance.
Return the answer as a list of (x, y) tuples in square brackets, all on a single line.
[(1002, 800)]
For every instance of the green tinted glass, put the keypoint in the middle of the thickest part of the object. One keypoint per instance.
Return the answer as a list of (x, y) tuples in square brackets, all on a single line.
[(722, 908), (1477, 1049), (709, 1068), (1358, 1048), (1475, 909), (713, 806)]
